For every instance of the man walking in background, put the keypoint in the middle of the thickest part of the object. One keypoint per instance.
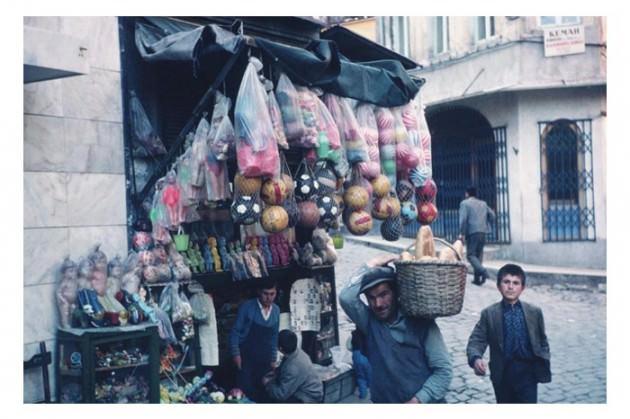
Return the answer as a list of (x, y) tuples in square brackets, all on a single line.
[(475, 217)]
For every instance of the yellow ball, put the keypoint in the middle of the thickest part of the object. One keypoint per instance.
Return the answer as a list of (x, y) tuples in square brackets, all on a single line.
[(380, 186), (274, 219), (274, 191), (247, 185), (386, 207), (356, 197)]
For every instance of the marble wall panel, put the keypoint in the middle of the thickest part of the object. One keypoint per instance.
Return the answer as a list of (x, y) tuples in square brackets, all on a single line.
[(41, 316), (96, 96), (101, 34), (94, 147), (50, 23), (43, 98), (96, 200), (45, 199), (44, 251), (44, 144)]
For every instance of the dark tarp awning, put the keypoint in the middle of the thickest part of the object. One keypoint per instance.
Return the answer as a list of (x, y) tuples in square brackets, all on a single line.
[(361, 49), (383, 82)]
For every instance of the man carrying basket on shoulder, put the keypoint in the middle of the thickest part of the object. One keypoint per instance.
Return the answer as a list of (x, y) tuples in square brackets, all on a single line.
[(410, 362)]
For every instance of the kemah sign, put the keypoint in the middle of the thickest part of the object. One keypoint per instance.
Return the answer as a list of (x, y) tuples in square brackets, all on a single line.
[(564, 40)]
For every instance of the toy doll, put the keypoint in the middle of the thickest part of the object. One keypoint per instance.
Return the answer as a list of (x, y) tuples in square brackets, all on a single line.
[(171, 198), (67, 292), (225, 257), (212, 242), (86, 266)]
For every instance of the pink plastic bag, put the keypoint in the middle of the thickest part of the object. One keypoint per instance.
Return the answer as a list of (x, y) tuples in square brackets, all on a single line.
[(256, 148), (369, 130), (406, 157)]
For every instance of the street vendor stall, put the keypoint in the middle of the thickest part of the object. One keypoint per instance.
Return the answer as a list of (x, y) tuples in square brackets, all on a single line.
[(250, 146)]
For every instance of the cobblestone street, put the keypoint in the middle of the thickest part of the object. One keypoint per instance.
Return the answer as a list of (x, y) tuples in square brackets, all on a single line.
[(575, 324)]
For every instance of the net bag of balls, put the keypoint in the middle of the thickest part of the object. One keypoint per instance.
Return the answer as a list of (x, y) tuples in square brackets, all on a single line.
[(430, 287)]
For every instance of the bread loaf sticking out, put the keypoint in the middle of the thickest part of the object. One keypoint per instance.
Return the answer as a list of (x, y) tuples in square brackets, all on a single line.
[(424, 243), (459, 248)]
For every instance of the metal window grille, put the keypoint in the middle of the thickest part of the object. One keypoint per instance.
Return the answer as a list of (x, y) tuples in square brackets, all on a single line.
[(458, 164), (567, 193)]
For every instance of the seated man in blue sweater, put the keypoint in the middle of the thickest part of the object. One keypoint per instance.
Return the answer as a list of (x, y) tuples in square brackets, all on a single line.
[(254, 341), (410, 362)]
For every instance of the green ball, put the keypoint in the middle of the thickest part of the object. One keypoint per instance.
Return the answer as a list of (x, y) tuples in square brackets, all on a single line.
[(389, 167)]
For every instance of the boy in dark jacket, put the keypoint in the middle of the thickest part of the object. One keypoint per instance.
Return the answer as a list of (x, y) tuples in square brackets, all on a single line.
[(515, 332)]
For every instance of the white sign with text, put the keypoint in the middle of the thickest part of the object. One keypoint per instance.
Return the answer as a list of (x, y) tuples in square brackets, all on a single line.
[(564, 40)]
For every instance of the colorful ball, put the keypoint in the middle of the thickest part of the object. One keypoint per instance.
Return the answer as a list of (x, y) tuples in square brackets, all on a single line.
[(404, 189), (274, 191), (391, 229), (245, 210), (428, 191), (381, 186), (408, 212), (356, 197), (306, 186), (427, 213), (274, 219), (386, 207), (370, 169), (247, 185), (359, 222), (418, 176), (326, 178), (389, 166), (328, 208), (309, 214), (388, 152)]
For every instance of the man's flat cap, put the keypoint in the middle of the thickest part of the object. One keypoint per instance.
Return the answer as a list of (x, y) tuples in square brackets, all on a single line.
[(377, 275)]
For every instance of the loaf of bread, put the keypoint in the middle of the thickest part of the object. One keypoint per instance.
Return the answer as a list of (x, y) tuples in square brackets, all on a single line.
[(424, 243), (459, 248), (406, 256), (448, 254)]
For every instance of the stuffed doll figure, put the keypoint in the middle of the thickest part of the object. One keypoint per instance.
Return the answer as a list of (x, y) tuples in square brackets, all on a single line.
[(323, 246), (66, 293)]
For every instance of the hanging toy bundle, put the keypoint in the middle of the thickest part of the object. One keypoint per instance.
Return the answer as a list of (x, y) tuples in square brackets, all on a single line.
[(356, 148), (256, 147), (342, 167), (308, 108), (143, 132), (386, 143), (289, 102), (276, 120), (369, 129)]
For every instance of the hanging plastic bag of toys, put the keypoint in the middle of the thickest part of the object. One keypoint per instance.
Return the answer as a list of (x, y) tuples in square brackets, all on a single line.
[(143, 131), (369, 130), (289, 102), (256, 148)]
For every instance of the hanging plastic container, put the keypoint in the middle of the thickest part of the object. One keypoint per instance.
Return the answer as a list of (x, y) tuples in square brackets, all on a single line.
[(181, 239)]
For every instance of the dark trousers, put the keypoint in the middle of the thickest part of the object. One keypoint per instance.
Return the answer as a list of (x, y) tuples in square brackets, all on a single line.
[(474, 253), (519, 383)]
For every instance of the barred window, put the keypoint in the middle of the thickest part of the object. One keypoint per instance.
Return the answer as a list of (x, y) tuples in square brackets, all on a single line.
[(568, 211)]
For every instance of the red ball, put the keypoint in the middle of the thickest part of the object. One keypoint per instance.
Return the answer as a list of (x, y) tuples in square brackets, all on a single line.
[(427, 192), (427, 213), (309, 214)]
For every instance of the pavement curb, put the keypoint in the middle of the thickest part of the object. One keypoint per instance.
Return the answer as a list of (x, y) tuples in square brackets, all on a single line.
[(535, 275)]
